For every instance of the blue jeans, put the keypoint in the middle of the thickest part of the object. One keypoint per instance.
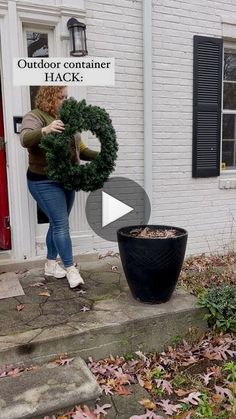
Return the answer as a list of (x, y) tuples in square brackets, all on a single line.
[(56, 202)]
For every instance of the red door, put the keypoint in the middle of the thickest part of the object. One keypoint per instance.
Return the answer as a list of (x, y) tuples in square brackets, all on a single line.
[(5, 237)]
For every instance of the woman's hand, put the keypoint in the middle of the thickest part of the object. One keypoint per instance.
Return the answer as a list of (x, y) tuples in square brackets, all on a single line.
[(55, 126)]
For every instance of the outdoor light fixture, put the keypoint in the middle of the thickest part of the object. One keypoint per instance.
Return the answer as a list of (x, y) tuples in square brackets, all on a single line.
[(77, 37)]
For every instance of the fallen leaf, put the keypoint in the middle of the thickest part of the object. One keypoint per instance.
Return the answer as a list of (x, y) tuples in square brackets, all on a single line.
[(165, 385), (186, 415), (109, 253), (217, 398), (83, 413), (44, 294), (20, 307), (217, 371), (212, 356), (123, 391), (224, 392), (189, 415), (84, 309), (147, 415), (107, 389), (79, 415), (190, 361), (37, 284), (206, 378), (193, 398), (21, 271), (141, 355), (111, 382), (64, 361), (100, 410), (182, 393), (224, 351), (140, 381), (232, 386), (169, 408), (148, 404), (148, 385), (121, 377), (15, 371)]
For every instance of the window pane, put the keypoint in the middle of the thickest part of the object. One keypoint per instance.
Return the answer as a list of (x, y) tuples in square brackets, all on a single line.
[(229, 141), (229, 127), (230, 65), (228, 154), (37, 46), (229, 95)]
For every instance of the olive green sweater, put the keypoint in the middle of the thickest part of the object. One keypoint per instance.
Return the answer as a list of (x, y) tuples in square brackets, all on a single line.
[(31, 135)]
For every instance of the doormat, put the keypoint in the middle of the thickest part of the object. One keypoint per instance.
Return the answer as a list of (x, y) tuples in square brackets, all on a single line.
[(10, 285)]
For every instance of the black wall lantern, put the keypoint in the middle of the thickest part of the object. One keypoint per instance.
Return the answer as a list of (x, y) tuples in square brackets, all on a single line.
[(77, 37)]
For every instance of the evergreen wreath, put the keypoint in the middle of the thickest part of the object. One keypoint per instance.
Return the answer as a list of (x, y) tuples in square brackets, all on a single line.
[(78, 117)]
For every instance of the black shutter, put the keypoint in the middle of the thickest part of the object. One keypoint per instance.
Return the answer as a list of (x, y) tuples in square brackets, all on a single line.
[(207, 86)]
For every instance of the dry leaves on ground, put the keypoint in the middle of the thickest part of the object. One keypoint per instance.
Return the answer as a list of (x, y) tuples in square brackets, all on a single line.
[(202, 272), (176, 379)]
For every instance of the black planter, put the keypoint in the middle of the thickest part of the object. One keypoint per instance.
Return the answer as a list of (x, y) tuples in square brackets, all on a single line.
[(152, 265)]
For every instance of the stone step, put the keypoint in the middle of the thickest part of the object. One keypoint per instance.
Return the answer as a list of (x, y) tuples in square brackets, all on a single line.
[(11, 265), (46, 390), (112, 326)]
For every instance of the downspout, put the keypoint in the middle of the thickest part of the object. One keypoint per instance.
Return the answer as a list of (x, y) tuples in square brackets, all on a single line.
[(147, 80)]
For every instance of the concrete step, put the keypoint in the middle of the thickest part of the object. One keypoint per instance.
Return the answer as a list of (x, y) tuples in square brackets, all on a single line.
[(55, 323), (112, 326), (46, 390), (115, 323), (9, 265)]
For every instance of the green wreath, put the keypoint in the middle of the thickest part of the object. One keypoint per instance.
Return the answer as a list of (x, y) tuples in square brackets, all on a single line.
[(78, 117)]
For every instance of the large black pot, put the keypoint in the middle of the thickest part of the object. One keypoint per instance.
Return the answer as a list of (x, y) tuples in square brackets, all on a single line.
[(152, 265)]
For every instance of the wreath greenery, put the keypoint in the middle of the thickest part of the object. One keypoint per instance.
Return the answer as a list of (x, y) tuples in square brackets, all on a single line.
[(78, 117)]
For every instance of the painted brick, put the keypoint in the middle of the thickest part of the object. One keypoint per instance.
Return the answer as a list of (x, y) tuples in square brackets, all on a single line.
[(116, 30), (197, 204)]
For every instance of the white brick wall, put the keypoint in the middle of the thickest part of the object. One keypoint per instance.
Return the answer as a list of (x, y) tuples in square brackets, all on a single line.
[(115, 29), (207, 212)]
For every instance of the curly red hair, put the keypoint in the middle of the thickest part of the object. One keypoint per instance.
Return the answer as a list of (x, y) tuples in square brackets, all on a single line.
[(46, 98)]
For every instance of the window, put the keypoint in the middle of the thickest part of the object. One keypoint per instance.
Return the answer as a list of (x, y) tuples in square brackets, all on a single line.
[(37, 46), (229, 110)]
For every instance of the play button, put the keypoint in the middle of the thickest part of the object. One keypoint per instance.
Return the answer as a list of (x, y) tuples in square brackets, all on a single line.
[(121, 202), (112, 209)]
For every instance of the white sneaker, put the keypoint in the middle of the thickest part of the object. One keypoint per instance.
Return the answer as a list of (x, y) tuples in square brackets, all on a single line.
[(54, 269), (73, 277)]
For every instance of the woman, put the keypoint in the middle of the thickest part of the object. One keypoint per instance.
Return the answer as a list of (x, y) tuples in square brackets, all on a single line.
[(53, 199)]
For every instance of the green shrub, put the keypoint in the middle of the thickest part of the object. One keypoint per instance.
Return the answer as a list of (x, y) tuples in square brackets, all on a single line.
[(230, 367), (221, 304)]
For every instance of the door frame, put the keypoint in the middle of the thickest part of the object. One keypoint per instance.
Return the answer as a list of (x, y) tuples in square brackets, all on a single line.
[(38, 230), (15, 157), (5, 230)]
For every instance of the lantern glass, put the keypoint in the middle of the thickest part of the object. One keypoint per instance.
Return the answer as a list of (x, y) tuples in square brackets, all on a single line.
[(77, 38)]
